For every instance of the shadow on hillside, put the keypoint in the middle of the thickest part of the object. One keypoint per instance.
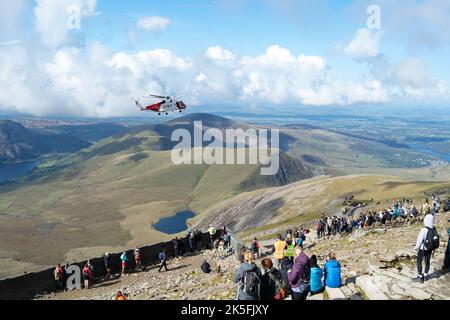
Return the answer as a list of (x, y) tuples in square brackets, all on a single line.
[(107, 284)]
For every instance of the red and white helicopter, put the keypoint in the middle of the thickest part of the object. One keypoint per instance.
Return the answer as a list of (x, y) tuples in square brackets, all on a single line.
[(166, 105)]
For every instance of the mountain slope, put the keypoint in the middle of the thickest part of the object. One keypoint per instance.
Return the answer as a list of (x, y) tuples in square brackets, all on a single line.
[(265, 212), (108, 196), (18, 143)]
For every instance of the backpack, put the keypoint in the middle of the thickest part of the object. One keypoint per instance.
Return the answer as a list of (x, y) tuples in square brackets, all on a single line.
[(281, 285), (251, 283), (431, 240)]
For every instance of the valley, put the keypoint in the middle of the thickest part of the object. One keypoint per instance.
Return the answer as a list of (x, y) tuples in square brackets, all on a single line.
[(109, 195)]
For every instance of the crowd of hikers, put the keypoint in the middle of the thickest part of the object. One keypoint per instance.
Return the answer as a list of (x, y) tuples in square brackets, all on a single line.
[(290, 272), (218, 239), (402, 210)]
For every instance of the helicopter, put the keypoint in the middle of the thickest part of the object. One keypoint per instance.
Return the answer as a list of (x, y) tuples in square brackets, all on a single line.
[(165, 105)]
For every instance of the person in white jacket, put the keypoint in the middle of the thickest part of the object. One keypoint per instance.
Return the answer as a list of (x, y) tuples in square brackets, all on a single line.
[(422, 252)]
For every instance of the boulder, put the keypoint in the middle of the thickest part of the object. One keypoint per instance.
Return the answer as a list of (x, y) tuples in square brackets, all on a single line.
[(335, 294), (319, 296), (367, 285)]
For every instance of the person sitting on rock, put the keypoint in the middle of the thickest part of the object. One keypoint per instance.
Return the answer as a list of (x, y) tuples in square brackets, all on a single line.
[(316, 276), (332, 271), (300, 275), (205, 267)]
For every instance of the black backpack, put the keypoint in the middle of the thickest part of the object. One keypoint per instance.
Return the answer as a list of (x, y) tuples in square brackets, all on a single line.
[(282, 287), (251, 283), (431, 240)]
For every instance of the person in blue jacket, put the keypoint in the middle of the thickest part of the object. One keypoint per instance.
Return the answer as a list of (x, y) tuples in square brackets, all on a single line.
[(332, 271), (316, 277)]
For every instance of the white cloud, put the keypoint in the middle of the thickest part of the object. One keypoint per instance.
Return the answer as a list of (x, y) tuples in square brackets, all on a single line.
[(412, 72), (10, 17), (153, 23), (364, 45), (218, 53), (53, 18), (97, 82)]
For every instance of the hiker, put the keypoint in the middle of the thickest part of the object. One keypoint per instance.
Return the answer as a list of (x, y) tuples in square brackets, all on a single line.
[(59, 277), (198, 239), (290, 247), (316, 277), (300, 238), (426, 208), (300, 275), (329, 226), (176, 248), (226, 240), (91, 267), (108, 264), (212, 235), (120, 296), (190, 238), (124, 260), (87, 276), (138, 258), (427, 242), (332, 271), (249, 278), (162, 261), (446, 266), (205, 267), (273, 286), (255, 248), (278, 249), (286, 266)]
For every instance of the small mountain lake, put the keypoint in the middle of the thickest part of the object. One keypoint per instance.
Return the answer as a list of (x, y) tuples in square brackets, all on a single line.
[(174, 224), (11, 171)]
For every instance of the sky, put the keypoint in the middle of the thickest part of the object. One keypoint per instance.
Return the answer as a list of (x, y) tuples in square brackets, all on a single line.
[(89, 57)]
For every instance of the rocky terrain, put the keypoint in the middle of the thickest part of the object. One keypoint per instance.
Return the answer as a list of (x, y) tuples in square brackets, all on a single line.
[(377, 264)]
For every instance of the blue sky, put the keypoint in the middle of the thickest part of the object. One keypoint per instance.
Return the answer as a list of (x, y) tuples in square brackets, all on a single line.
[(248, 52)]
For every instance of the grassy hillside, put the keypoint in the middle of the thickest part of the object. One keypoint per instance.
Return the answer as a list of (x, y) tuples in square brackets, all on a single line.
[(346, 153), (108, 196)]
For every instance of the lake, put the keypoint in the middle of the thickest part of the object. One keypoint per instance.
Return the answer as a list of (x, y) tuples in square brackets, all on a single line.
[(12, 171), (174, 224)]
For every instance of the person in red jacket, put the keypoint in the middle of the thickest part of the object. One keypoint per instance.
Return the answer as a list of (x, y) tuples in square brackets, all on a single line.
[(87, 276)]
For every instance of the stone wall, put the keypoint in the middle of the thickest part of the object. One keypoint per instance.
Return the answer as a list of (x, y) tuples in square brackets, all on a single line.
[(32, 284)]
